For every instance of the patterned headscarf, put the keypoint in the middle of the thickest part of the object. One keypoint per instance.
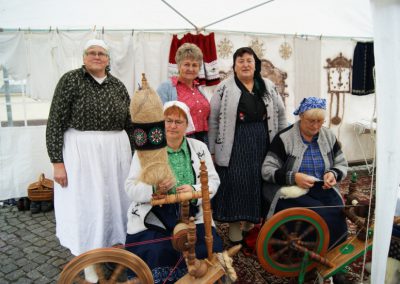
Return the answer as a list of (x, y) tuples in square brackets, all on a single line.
[(310, 103)]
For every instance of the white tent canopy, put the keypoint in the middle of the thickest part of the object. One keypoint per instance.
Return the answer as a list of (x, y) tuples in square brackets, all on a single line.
[(357, 19), (309, 17)]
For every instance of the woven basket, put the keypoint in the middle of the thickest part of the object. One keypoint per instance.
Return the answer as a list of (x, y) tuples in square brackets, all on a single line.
[(42, 190)]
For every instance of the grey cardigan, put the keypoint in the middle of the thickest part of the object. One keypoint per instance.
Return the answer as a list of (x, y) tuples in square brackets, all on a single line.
[(286, 155), (222, 120)]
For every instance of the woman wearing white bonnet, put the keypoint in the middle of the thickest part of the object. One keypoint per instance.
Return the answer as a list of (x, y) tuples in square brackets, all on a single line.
[(147, 223), (90, 150)]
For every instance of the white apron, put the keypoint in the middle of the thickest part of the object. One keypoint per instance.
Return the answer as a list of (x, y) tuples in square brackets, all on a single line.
[(91, 211)]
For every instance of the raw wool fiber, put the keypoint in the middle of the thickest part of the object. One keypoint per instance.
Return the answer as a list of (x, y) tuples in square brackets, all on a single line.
[(146, 107)]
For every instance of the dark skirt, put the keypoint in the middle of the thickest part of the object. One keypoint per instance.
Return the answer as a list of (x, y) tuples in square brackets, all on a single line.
[(363, 82), (159, 255), (239, 195), (333, 216)]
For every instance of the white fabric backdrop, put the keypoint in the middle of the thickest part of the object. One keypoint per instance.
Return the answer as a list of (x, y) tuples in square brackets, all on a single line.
[(23, 157), (307, 68), (386, 20), (308, 17), (51, 54), (13, 54)]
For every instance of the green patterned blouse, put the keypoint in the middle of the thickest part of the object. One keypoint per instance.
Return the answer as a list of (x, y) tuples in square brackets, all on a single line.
[(181, 165), (80, 102)]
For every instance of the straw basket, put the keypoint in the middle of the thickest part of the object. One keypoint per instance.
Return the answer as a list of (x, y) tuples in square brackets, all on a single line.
[(42, 190)]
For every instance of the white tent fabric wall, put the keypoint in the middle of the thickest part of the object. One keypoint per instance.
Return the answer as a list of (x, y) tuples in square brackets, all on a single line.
[(13, 54), (22, 159), (386, 19), (307, 69), (309, 17), (51, 54)]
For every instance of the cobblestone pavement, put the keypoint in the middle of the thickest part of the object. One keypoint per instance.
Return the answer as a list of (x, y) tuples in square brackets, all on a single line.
[(29, 250)]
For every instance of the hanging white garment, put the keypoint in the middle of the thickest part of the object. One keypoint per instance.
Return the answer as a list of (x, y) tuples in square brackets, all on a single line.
[(307, 67), (91, 210), (13, 55)]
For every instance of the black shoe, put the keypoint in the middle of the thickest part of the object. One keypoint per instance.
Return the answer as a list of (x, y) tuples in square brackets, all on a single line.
[(339, 278), (35, 207), (46, 206), (27, 203), (11, 202), (21, 205)]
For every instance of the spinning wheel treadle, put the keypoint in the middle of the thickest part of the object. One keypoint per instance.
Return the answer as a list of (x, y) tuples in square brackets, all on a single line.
[(122, 258), (287, 236)]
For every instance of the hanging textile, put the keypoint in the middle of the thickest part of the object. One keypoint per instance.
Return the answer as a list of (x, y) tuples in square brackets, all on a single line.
[(307, 68), (209, 73), (363, 68), (13, 55)]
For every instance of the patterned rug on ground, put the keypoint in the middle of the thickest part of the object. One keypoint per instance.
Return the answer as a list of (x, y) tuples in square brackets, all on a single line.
[(249, 269)]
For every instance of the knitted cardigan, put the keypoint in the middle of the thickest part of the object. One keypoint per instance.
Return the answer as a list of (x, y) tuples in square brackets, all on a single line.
[(222, 120), (141, 193)]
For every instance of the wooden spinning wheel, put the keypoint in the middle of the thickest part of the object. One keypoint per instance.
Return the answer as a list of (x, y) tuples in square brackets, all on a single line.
[(204, 271), (122, 258), (290, 235)]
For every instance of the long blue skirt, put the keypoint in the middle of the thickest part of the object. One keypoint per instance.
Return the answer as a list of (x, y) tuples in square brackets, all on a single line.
[(333, 216), (239, 195), (160, 256)]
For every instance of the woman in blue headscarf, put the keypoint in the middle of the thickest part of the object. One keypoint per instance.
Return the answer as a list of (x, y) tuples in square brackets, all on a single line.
[(308, 155)]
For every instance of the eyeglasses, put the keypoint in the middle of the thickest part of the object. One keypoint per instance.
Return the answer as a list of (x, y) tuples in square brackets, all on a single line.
[(314, 121), (177, 122), (94, 54)]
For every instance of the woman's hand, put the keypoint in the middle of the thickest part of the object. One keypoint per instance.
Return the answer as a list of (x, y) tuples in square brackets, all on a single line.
[(184, 188), (329, 180), (164, 186), (60, 174), (304, 181)]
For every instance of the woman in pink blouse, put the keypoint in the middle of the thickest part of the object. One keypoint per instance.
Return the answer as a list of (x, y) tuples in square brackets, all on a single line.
[(186, 88)]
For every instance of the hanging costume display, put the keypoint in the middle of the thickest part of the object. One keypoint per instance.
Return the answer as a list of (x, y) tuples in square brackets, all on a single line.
[(209, 73), (363, 69)]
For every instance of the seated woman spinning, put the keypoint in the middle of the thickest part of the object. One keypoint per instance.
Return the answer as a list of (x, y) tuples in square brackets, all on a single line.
[(147, 223), (308, 155)]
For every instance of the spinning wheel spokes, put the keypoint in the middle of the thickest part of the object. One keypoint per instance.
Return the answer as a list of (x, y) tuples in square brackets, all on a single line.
[(279, 253), (285, 231), (297, 227), (121, 258), (309, 245), (307, 232), (287, 236), (278, 242)]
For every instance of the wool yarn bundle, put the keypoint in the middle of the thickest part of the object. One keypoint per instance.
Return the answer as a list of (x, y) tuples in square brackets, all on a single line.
[(149, 135)]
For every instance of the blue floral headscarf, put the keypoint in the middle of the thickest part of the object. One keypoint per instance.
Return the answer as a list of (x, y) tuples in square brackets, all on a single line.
[(310, 103)]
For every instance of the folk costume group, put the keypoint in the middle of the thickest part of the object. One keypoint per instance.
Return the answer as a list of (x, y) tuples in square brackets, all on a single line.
[(242, 134)]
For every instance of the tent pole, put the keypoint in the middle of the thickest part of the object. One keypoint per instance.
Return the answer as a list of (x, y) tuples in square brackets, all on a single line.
[(238, 13), (7, 96), (180, 14)]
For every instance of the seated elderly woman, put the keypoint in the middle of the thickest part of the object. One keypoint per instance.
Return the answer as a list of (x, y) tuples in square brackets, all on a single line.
[(147, 223), (307, 155)]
